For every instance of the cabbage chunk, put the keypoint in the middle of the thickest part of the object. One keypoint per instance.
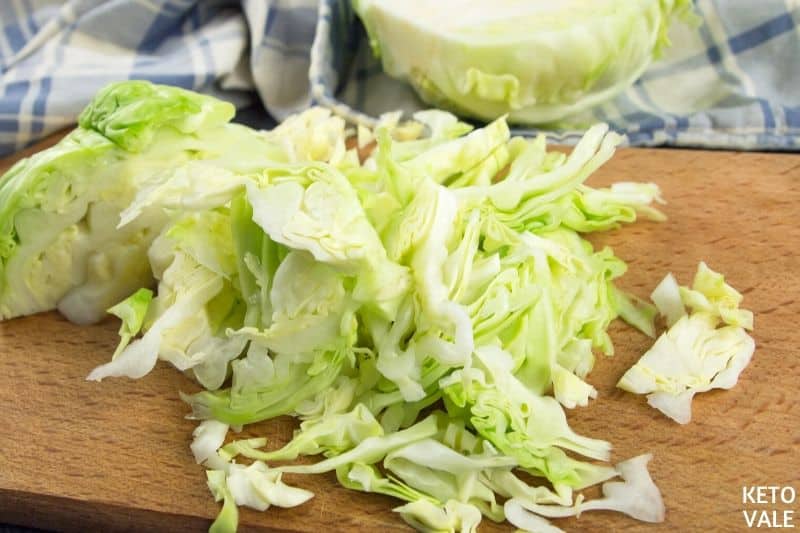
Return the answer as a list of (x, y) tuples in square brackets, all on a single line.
[(703, 350)]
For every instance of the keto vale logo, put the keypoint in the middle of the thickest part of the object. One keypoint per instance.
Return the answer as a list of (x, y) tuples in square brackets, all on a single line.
[(765, 506)]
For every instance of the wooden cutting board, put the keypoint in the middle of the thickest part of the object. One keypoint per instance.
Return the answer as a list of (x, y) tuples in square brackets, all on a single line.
[(114, 456)]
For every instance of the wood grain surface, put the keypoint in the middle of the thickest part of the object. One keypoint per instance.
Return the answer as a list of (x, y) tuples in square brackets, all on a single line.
[(113, 456)]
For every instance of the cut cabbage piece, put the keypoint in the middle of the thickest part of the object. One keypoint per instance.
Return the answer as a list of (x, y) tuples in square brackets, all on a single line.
[(60, 207), (209, 436), (706, 349), (257, 486), (453, 517), (636, 496)]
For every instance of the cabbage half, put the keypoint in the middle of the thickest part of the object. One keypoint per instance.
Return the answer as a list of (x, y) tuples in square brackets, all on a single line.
[(535, 60), (59, 209)]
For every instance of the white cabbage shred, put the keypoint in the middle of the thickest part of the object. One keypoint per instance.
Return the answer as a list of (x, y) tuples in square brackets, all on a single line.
[(428, 309)]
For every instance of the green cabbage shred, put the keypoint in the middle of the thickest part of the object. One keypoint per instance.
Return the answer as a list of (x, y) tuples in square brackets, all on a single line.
[(424, 302)]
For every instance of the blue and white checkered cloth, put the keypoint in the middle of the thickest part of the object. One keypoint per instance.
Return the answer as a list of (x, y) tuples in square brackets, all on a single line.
[(734, 82)]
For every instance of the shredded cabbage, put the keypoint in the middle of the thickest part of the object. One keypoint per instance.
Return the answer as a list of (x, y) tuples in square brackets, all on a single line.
[(428, 312)]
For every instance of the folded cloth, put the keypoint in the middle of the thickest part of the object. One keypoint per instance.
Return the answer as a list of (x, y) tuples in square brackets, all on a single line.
[(733, 82)]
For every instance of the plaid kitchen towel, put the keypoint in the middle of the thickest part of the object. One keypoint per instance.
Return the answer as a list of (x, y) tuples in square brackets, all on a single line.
[(55, 55), (733, 82)]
